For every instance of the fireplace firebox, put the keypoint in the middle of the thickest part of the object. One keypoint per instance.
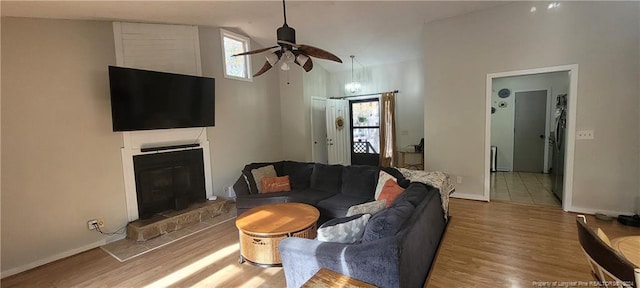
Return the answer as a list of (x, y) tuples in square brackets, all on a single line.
[(168, 181)]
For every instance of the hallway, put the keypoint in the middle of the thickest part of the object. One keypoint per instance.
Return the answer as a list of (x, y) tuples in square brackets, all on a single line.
[(530, 188)]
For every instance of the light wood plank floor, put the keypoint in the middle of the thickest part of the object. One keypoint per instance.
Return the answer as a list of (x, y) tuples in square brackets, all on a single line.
[(496, 244), (521, 187), (506, 244)]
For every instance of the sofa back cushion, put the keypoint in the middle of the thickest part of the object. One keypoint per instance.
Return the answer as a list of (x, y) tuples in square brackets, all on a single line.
[(326, 178), (414, 194), (359, 181), (388, 222), (299, 174), (253, 186)]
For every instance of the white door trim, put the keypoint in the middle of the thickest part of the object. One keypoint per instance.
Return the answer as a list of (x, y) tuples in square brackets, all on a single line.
[(572, 100)]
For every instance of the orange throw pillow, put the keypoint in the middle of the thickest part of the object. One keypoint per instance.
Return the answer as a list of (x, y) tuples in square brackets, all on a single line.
[(390, 191), (275, 184)]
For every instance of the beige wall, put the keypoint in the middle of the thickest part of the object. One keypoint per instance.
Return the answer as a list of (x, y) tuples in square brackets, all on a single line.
[(296, 89), (602, 38), (61, 160), (247, 115), (64, 165)]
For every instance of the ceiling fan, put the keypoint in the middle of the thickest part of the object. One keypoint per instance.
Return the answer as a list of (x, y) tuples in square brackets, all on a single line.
[(290, 52)]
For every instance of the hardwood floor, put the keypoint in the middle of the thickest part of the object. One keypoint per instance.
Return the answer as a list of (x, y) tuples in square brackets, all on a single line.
[(505, 244), (496, 244)]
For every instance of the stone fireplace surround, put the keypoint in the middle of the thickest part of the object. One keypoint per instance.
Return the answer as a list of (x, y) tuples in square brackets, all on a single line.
[(136, 141)]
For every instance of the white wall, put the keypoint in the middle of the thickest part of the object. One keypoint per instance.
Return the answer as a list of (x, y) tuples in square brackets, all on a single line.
[(502, 122), (602, 38), (407, 77)]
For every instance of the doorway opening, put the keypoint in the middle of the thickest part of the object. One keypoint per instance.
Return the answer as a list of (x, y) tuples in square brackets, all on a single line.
[(523, 109)]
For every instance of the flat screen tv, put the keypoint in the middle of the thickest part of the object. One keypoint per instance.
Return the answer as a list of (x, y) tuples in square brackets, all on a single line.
[(146, 100)]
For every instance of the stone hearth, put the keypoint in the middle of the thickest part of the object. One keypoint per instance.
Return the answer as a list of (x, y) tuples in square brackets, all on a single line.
[(162, 223)]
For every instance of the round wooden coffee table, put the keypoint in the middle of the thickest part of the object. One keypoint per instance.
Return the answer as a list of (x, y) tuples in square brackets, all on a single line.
[(261, 229)]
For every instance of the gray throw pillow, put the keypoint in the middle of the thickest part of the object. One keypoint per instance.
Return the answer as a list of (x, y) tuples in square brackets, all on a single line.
[(343, 230), (258, 174), (372, 207)]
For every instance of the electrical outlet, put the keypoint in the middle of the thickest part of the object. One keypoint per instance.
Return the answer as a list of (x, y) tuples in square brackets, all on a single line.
[(91, 224), (584, 135), (459, 179)]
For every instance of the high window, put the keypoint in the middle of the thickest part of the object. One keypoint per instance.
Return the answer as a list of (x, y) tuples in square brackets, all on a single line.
[(238, 67)]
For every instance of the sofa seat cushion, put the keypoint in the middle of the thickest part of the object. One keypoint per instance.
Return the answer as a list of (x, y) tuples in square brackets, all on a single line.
[(338, 205), (388, 222), (359, 180), (326, 177), (310, 196), (299, 174)]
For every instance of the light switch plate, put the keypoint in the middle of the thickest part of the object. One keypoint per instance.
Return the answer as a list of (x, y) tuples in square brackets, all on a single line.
[(585, 135)]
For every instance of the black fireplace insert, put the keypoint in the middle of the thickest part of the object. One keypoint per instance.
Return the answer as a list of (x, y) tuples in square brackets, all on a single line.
[(169, 181)]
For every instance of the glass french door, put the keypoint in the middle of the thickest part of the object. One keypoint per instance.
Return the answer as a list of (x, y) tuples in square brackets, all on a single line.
[(365, 131)]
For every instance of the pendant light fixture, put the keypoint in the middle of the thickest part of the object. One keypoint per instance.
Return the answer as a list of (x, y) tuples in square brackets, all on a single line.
[(353, 86)]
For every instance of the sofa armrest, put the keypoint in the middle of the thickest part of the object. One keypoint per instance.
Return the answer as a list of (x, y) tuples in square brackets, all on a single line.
[(241, 187), (374, 262)]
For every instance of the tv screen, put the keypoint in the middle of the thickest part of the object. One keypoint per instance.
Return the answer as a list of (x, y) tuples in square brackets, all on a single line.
[(145, 100)]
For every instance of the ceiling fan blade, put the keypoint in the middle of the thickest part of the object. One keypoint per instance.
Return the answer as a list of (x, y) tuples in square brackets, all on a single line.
[(264, 68), (255, 51), (318, 53), (288, 43)]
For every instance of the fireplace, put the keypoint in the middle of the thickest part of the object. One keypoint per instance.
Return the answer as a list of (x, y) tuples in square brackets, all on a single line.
[(168, 181)]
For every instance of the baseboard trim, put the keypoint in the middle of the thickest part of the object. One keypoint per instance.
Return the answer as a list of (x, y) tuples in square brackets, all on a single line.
[(59, 256), (593, 211), (469, 196)]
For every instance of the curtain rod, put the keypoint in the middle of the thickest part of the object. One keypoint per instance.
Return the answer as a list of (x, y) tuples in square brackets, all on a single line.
[(370, 94)]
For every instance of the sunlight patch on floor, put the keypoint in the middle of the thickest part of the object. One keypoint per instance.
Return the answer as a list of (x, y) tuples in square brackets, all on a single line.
[(222, 275), (194, 267)]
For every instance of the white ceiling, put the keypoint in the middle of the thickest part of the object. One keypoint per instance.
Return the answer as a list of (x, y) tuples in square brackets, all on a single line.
[(376, 32)]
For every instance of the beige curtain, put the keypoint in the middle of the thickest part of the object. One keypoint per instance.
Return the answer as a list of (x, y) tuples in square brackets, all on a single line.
[(388, 129)]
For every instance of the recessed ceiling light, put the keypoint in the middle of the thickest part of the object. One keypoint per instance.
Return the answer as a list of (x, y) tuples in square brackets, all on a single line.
[(533, 9), (553, 5)]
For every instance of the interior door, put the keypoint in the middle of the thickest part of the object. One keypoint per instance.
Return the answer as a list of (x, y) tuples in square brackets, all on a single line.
[(529, 131), (338, 131), (319, 127)]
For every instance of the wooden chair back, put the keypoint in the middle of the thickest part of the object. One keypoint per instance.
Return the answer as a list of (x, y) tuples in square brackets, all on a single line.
[(608, 266)]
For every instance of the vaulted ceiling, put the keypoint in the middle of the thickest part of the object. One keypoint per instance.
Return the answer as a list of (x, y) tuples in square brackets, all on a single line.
[(377, 32)]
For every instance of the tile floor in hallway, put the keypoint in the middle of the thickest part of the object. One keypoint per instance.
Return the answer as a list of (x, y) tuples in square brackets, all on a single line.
[(531, 188)]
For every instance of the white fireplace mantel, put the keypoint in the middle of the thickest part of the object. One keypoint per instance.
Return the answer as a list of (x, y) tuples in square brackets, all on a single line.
[(135, 141)]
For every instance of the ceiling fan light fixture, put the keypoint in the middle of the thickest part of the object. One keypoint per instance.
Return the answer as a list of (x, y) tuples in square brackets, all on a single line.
[(285, 66), (272, 58), (302, 59)]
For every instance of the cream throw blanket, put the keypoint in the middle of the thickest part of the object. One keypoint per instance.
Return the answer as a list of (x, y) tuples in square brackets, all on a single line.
[(437, 179)]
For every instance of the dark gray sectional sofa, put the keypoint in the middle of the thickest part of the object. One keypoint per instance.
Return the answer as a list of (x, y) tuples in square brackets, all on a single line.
[(399, 243)]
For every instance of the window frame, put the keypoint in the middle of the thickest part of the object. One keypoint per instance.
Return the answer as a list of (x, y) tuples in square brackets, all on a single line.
[(247, 43)]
